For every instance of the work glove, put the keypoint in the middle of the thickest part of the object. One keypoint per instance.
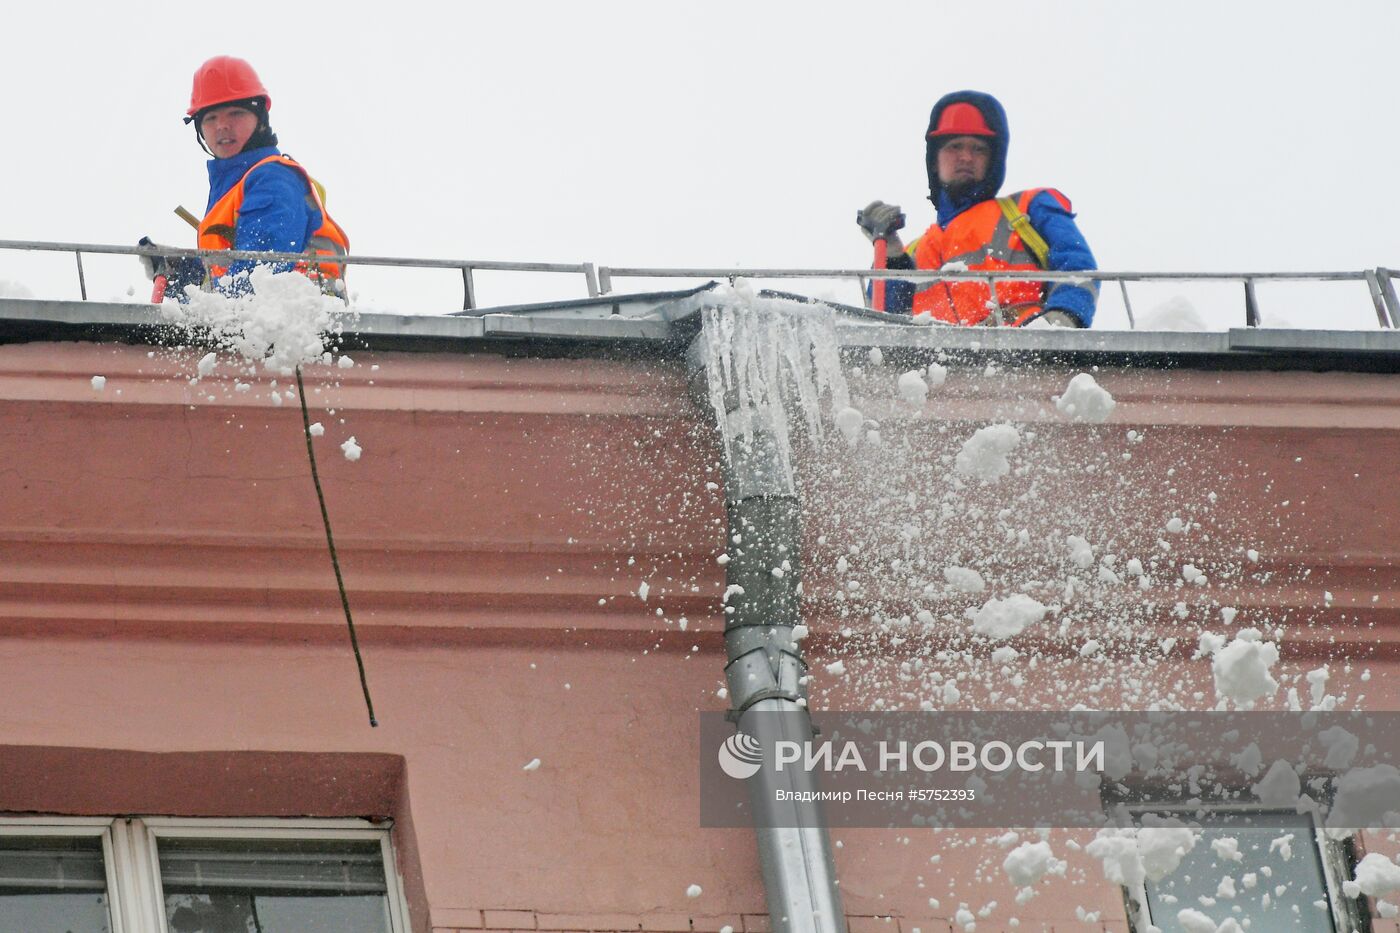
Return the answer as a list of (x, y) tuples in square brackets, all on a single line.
[(1059, 319), (880, 220), (153, 265), (179, 271)]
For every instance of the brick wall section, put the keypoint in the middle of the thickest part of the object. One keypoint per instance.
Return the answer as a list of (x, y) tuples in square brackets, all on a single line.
[(589, 922), (508, 921), (666, 923), (714, 924), (931, 925), (455, 918)]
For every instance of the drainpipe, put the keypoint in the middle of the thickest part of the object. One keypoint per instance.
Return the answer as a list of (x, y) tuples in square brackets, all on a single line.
[(766, 674)]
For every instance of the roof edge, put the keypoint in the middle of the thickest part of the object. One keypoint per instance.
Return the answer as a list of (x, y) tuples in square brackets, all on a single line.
[(664, 323)]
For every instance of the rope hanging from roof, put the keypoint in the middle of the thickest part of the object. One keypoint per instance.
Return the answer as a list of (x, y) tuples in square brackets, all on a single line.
[(330, 544)]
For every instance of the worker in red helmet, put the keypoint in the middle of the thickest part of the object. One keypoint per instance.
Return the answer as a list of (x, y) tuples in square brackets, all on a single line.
[(259, 199), (975, 230)]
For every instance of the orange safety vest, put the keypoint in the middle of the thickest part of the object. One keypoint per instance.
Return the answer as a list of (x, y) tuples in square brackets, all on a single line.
[(219, 228), (981, 237)]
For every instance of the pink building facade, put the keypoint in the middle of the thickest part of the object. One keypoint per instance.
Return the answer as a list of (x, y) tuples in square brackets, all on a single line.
[(176, 669)]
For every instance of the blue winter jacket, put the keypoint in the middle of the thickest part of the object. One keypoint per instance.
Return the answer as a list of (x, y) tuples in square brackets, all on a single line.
[(1069, 252), (275, 215)]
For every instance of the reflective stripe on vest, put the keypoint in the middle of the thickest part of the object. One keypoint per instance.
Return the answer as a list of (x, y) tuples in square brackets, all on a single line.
[(981, 238), (219, 229)]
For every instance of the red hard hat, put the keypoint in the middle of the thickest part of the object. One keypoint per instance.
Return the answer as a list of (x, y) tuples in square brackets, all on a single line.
[(962, 119), (225, 79)]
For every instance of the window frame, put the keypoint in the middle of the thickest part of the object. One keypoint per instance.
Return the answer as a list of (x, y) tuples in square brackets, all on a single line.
[(1336, 857), (79, 827), (131, 859)]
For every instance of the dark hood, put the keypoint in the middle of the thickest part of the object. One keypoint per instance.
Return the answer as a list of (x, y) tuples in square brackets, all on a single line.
[(995, 116)]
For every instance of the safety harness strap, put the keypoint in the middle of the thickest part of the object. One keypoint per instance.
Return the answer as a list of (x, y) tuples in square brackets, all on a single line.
[(1022, 225)]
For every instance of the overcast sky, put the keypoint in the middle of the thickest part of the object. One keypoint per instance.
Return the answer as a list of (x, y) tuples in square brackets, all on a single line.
[(1189, 135)]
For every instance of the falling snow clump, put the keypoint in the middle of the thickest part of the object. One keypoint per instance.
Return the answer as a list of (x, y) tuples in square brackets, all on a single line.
[(1377, 875), (352, 450), (1366, 797), (1085, 400), (912, 388), (964, 579), (1280, 786), (1193, 921), (1006, 618), (983, 456), (1241, 669), (1029, 862), (282, 323), (849, 422)]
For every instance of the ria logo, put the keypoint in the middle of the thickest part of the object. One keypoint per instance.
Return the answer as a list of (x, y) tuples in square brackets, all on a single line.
[(740, 756)]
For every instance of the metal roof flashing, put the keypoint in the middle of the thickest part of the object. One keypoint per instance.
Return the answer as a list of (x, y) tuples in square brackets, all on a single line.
[(664, 323)]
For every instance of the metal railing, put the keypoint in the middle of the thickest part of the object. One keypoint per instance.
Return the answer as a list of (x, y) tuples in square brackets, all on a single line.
[(1378, 281), (599, 279), (467, 266)]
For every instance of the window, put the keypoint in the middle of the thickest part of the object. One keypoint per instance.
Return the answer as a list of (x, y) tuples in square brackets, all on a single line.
[(198, 876), (1266, 869), (54, 882)]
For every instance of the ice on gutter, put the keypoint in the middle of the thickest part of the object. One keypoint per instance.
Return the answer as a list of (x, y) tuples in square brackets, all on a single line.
[(763, 357)]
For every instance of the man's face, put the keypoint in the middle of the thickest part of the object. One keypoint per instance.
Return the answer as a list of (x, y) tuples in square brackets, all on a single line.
[(226, 130), (963, 161)]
